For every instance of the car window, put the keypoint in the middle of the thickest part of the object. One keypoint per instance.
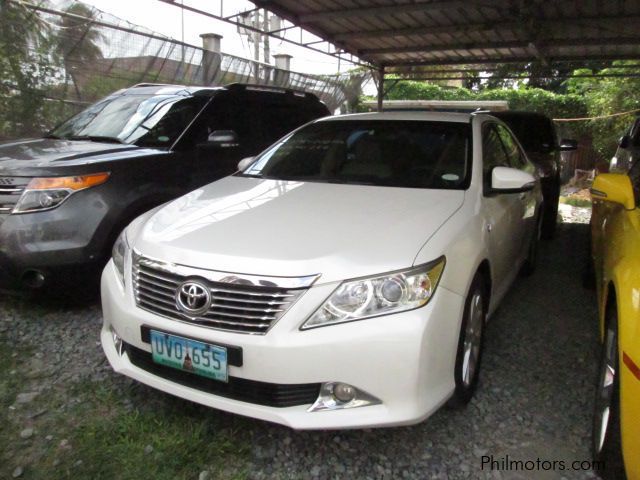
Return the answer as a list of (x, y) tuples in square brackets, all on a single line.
[(493, 153), (409, 154), (144, 120), (516, 157)]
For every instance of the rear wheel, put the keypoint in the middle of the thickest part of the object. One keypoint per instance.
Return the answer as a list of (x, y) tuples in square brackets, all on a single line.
[(531, 262), (470, 344), (606, 437)]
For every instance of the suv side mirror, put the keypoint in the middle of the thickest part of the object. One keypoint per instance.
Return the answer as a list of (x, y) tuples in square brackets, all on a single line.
[(244, 163), (614, 187), (625, 141), (223, 139), (567, 144), (511, 180)]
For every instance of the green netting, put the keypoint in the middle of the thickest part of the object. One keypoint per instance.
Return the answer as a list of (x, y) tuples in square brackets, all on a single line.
[(56, 57)]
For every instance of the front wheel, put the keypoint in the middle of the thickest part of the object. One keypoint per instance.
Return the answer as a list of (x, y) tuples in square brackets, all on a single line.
[(606, 437), (470, 344)]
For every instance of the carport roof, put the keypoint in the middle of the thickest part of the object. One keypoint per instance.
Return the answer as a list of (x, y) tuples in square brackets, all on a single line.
[(434, 32)]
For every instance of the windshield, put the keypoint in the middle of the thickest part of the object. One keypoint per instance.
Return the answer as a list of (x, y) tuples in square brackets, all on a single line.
[(410, 154), (143, 120)]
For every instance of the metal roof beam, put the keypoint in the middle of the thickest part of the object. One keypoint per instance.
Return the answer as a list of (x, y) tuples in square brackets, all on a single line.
[(523, 59), (399, 8), (484, 27), (524, 77), (525, 44)]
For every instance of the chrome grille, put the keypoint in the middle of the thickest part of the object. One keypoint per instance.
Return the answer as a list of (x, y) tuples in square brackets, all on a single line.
[(237, 307), (10, 190)]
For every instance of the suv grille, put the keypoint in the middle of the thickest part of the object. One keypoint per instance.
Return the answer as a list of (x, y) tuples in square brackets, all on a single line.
[(10, 190), (235, 307)]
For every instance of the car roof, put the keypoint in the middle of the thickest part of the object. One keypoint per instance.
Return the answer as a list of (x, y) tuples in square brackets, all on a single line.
[(405, 115)]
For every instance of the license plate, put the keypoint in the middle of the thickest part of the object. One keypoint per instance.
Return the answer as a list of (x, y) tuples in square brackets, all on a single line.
[(189, 355)]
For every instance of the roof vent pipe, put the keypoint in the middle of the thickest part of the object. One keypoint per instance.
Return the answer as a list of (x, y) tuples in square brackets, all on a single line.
[(211, 57), (283, 69)]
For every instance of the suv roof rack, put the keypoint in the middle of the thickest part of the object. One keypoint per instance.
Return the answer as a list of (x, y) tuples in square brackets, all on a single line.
[(269, 88)]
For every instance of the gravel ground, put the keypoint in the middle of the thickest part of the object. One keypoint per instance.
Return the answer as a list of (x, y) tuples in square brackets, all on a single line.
[(534, 399)]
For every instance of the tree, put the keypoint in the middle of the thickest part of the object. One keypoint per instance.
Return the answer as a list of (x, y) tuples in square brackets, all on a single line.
[(77, 41), (606, 96), (27, 65)]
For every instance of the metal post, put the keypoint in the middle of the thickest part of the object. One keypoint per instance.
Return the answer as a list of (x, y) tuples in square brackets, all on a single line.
[(380, 87)]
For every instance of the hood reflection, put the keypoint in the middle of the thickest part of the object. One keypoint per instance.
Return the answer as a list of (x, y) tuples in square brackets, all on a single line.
[(199, 208)]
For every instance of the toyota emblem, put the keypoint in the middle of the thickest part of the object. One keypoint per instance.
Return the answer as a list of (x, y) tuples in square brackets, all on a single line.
[(193, 298)]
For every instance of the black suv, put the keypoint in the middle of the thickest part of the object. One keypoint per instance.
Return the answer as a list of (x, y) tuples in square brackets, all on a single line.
[(537, 135), (64, 198)]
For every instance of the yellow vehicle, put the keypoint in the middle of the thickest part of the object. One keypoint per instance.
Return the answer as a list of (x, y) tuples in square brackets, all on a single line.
[(615, 251)]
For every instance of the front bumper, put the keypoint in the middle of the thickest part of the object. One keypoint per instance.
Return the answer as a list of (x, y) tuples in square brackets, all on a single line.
[(405, 360), (51, 241)]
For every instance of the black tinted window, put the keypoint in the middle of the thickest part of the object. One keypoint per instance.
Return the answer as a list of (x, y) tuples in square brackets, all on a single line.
[(535, 133), (516, 159), (145, 120), (493, 153), (386, 153)]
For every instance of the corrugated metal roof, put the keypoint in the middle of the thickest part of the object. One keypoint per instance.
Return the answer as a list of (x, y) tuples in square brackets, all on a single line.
[(436, 32)]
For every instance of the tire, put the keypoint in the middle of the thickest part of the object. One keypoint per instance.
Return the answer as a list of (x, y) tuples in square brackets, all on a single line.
[(470, 344), (550, 214), (606, 440), (531, 262)]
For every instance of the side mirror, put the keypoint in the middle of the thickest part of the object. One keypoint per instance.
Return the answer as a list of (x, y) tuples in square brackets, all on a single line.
[(244, 163), (614, 187), (567, 145), (625, 141), (511, 180), (223, 138)]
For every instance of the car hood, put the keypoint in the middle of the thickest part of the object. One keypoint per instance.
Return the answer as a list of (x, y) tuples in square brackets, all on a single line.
[(288, 228), (46, 152)]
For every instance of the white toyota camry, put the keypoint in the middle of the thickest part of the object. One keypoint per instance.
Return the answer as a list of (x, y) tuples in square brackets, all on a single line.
[(340, 279)]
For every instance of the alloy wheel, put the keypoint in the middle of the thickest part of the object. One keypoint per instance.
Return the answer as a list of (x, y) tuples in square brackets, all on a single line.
[(605, 392), (472, 339)]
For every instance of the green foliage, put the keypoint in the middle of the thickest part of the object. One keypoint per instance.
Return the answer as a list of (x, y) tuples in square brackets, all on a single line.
[(27, 64), (606, 96)]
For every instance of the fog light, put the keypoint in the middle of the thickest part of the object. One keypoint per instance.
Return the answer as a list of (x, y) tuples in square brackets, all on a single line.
[(343, 392), (337, 396), (117, 342)]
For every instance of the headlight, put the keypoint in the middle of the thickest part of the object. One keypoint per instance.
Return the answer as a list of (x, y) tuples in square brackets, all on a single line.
[(381, 295), (119, 253), (47, 193)]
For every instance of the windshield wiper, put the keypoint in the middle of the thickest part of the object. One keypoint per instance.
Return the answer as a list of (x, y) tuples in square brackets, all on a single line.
[(51, 135), (95, 138)]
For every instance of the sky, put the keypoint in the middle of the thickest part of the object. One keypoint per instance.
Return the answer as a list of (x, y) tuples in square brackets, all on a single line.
[(167, 20)]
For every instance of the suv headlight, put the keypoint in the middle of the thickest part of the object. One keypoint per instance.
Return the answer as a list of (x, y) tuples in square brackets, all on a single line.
[(380, 295), (120, 252), (47, 193)]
